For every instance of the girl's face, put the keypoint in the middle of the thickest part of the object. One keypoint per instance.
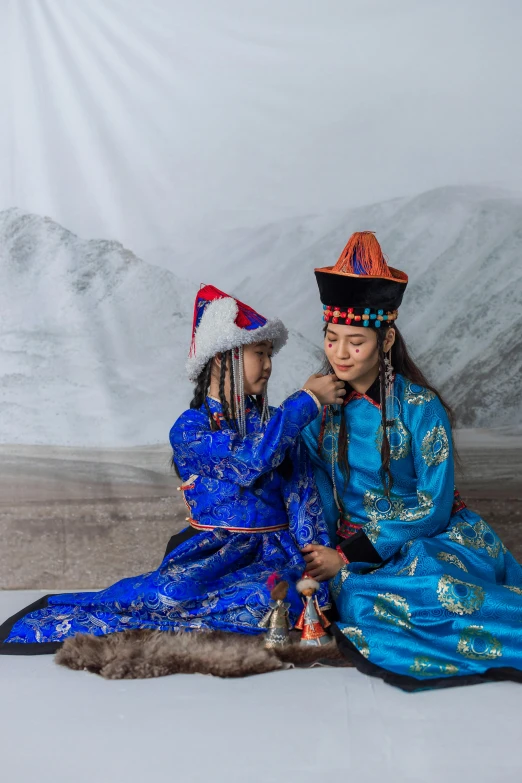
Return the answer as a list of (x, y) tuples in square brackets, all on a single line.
[(257, 360), (352, 351)]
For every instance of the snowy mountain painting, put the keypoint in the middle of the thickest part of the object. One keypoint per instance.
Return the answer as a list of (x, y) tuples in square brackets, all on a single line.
[(462, 313), (94, 339)]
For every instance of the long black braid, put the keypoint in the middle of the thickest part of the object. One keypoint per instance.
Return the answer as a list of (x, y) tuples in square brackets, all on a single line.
[(342, 448), (199, 398), (227, 408), (200, 393)]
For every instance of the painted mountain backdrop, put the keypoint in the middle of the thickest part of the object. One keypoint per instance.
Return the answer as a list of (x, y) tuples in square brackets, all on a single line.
[(462, 312), (93, 339)]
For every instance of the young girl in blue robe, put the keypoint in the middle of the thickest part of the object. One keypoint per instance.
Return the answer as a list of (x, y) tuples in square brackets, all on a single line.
[(249, 490), (427, 593)]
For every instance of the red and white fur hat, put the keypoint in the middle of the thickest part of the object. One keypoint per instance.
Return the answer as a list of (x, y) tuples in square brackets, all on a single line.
[(222, 323)]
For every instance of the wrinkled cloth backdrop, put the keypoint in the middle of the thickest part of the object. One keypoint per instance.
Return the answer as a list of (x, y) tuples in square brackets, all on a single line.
[(145, 148)]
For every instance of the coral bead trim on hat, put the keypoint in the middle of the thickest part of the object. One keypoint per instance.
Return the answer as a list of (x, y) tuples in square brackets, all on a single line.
[(358, 316)]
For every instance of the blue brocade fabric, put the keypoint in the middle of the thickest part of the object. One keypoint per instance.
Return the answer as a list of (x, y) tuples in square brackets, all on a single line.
[(447, 600), (216, 579)]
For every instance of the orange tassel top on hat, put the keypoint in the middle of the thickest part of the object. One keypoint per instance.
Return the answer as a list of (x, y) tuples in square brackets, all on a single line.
[(363, 256)]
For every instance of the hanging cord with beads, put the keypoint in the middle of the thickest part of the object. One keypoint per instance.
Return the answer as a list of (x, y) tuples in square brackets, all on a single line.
[(239, 385), (333, 451), (265, 412), (235, 381), (233, 403), (386, 424), (241, 373)]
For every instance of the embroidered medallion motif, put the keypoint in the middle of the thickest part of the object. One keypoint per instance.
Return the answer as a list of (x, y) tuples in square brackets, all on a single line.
[(378, 507), (356, 636), (478, 644), (421, 510), (514, 589), (331, 438), (393, 609), (336, 585), (491, 541), (435, 446), (477, 536), (459, 597), (398, 437), (417, 395), (446, 557), (410, 569), (429, 667)]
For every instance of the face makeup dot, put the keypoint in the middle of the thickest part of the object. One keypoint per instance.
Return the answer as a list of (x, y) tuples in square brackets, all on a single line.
[(329, 345), (356, 350)]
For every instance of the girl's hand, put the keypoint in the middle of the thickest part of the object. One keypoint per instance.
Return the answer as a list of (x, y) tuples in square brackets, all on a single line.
[(328, 389), (322, 562)]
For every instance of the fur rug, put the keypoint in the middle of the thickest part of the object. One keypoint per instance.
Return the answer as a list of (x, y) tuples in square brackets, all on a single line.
[(140, 654)]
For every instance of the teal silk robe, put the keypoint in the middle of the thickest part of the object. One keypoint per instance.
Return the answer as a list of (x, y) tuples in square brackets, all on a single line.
[(430, 597)]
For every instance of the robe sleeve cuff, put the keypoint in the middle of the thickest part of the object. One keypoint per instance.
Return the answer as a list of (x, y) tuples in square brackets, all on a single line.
[(314, 398), (345, 559), (359, 549)]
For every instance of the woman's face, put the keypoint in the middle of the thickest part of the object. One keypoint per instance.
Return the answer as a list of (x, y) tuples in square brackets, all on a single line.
[(352, 351), (257, 361)]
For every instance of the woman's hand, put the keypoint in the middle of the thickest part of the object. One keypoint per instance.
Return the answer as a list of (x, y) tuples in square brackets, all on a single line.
[(322, 562), (328, 389)]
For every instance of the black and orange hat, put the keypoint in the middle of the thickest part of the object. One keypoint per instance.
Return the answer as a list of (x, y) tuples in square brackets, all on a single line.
[(361, 289)]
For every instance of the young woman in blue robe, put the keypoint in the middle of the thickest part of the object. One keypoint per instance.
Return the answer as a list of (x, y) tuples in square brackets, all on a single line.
[(427, 594), (249, 490)]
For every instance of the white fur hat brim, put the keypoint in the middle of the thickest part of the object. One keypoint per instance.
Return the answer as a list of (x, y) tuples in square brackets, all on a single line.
[(218, 332), (307, 584)]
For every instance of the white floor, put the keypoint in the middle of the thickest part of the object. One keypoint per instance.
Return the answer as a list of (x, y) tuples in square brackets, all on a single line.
[(293, 726)]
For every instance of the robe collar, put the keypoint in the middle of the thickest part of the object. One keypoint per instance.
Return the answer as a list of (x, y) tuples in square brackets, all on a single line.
[(373, 394), (216, 407)]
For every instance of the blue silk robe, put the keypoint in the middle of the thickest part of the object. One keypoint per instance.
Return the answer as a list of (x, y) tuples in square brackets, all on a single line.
[(250, 521), (430, 597)]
